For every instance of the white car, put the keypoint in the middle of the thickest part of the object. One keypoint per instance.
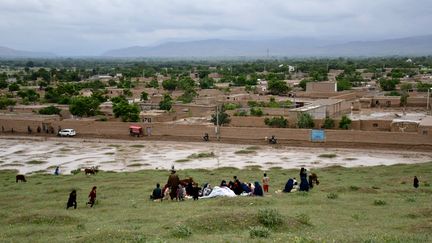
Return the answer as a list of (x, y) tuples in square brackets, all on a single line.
[(67, 132)]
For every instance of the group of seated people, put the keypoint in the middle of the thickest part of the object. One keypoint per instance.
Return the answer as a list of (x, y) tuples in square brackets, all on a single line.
[(189, 188), (241, 188), (306, 182), (192, 190)]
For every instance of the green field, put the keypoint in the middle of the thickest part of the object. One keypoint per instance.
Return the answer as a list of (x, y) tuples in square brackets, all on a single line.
[(366, 204)]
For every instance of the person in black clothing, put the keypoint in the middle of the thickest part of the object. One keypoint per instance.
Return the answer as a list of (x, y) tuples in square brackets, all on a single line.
[(189, 189), (72, 200), (237, 186), (195, 191), (223, 183), (157, 193), (416, 182), (304, 184)]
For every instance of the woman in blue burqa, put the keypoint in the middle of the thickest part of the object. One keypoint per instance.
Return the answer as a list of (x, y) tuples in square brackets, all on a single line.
[(258, 191), (289, 185), (304, 184)]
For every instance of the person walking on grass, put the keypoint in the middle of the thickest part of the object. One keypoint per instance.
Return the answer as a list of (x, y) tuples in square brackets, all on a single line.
[(266, 182), (72, 200), (92, 197)]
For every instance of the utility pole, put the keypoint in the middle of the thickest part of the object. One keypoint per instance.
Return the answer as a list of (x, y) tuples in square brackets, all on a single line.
[(217, 122), (427, 102)]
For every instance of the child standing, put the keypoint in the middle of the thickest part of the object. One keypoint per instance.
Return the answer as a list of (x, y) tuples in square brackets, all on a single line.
[(180, 193), (92, 197), (266, 182)]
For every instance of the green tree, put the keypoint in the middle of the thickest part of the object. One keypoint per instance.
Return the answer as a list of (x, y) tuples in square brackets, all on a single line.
[(186, 83), (239, 81), (28, 95), (423, 87), (256, 111), (100, 96), (112, 83), (5, 102), (144, 96), (279, 122), (153, 84), (50, 110), (13, 87), (84, 106), (345, 122), (206, 83), (3, 78), (303, 83), (118, 99), (388, 84), (406, 87), (127, 112), (231, 106), (278, 87), (166, 102), (188, 96), (127, 93), (169, 84), (343, 84), (328, 123), (305, 120), (404, 99), (222, 117)]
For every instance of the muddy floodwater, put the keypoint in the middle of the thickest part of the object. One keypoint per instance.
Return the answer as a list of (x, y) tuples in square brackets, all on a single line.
[(37, 155)]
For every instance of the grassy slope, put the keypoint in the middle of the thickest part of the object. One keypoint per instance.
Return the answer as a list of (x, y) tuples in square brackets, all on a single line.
[(34, 211)]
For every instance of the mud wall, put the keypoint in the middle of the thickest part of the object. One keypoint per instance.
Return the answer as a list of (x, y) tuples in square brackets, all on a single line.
[(120, 129)]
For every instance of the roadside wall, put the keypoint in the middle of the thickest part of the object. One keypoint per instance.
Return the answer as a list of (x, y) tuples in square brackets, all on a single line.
[(120, 129)]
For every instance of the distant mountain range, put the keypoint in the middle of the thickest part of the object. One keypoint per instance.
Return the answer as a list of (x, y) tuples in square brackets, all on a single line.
[(6, 52), (286, 47), (290, 47)]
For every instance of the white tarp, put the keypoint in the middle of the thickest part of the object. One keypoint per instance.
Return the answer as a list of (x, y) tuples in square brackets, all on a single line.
[(221, 192)]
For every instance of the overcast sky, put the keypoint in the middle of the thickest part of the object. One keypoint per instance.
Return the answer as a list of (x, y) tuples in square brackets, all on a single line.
[(90, 27)]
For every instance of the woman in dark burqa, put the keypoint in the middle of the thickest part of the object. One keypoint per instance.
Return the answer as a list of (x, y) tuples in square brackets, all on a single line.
[(304, 184), (189, 188), (72, 200), (416, 182), (289, 185), (258, 191)]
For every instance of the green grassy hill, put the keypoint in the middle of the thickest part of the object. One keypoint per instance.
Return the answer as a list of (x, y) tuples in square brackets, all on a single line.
[(366, 204)]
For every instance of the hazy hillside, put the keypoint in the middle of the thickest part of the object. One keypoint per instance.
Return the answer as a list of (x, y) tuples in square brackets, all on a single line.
[(6, 52), (282, 47)]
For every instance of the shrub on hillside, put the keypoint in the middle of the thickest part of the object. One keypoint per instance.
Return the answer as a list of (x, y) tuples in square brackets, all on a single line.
[(270, 218), (181, 231), (259, 232)]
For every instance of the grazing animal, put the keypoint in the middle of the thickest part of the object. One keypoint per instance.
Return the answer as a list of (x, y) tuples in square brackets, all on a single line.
[(91, 171), (20, 178), (187, 181)]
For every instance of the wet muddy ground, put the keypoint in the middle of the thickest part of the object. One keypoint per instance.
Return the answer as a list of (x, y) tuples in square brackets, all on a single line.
[(40, 155)]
